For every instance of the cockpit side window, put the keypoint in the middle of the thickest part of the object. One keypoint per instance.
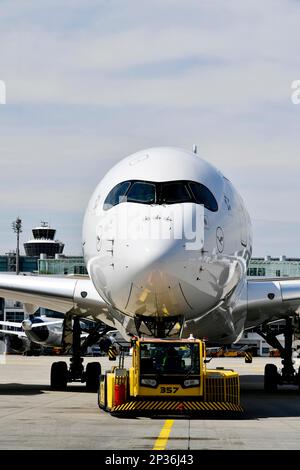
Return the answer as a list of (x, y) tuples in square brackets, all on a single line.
[(203, 196), (175, 192), (116, 195), (142, 192)]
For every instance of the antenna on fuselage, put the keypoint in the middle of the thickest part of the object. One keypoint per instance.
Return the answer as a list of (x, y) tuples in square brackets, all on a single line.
[(195, 150)]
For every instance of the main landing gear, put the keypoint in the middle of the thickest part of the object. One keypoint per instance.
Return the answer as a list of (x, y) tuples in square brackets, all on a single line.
[(288, 375), (61, 374)]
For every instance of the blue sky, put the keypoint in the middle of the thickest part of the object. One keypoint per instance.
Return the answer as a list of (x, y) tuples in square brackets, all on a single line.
[(89, 82)]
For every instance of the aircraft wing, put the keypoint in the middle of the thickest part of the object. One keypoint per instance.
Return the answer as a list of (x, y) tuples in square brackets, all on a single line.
[(270, 299), (53, 293), (13, 324), (14, 333)]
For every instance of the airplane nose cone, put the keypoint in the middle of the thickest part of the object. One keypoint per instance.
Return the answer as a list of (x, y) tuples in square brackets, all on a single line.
[(26, 325), (146, 280), (144, 272)]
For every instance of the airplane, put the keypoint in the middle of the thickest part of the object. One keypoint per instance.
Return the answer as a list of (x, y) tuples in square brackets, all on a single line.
[(42, 331), (48, 332), (151, 273)]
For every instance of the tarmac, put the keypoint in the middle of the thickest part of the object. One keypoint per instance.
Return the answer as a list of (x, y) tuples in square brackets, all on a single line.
[(34, 417)]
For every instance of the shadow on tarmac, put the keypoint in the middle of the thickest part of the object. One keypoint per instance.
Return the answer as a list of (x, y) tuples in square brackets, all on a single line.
[(256, 403), (20, 389), (30, 389), (259, 404)]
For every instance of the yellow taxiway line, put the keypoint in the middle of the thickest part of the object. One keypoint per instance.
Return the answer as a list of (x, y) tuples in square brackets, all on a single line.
[(162, 440)]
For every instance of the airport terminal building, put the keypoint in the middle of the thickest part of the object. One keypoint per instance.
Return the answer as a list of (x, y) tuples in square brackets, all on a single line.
[(269, 267), (274, 267), (43, 255)]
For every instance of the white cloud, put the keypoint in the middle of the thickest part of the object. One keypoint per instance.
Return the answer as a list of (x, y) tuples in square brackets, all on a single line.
[(89, 82), (251, 57)]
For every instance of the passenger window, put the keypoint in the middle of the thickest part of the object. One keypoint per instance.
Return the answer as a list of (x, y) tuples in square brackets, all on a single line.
[(203, 196), (174, 193), (141, 192), (116, 195)]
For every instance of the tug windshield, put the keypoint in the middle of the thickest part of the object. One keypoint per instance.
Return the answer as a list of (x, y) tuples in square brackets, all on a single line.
[(170, 358)]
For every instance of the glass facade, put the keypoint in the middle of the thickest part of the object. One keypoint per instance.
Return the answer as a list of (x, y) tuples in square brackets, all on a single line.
[(28, 264), (62, 266), (274, 267), (31, 264), (15, 315), (11, 310)]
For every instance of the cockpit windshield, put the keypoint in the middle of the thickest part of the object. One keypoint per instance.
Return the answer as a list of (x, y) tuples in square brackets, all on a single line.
[(174, 192), (169, 192), (142, 192)]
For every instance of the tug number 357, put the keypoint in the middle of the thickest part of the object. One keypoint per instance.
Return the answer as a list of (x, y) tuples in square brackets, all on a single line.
[(169, 389)]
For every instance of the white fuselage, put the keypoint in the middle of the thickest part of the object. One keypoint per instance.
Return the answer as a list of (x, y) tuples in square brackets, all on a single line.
[(175, 245)]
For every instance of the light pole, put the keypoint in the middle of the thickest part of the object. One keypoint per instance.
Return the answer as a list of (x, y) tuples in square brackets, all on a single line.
[(17, 228)]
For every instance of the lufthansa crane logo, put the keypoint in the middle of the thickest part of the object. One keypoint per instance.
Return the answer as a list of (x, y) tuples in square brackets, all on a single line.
[(220, 239)]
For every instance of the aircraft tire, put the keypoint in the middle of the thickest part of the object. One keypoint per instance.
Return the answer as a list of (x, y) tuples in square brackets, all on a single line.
[(92, 374), (59, 375), (270, 378), (298, 379)]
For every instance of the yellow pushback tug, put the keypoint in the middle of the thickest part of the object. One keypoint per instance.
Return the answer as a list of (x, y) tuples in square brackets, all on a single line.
[(168, 377)]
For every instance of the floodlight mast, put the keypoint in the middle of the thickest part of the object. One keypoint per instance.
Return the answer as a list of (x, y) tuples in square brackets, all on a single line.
[(17, 228)]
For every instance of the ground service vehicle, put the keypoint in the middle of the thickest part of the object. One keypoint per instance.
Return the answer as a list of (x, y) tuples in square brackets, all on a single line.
[(168, 377)]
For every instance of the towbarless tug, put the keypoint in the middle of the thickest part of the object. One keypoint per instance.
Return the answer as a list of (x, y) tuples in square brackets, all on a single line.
[(167, 377)]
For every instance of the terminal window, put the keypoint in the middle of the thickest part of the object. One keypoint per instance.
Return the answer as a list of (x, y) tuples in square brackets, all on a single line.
[(261, 272)]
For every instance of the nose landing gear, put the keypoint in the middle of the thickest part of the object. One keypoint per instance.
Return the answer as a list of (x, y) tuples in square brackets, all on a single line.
[(160, 327)]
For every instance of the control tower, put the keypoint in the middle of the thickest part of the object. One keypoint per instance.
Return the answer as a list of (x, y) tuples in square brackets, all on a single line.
[(43, 242)]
